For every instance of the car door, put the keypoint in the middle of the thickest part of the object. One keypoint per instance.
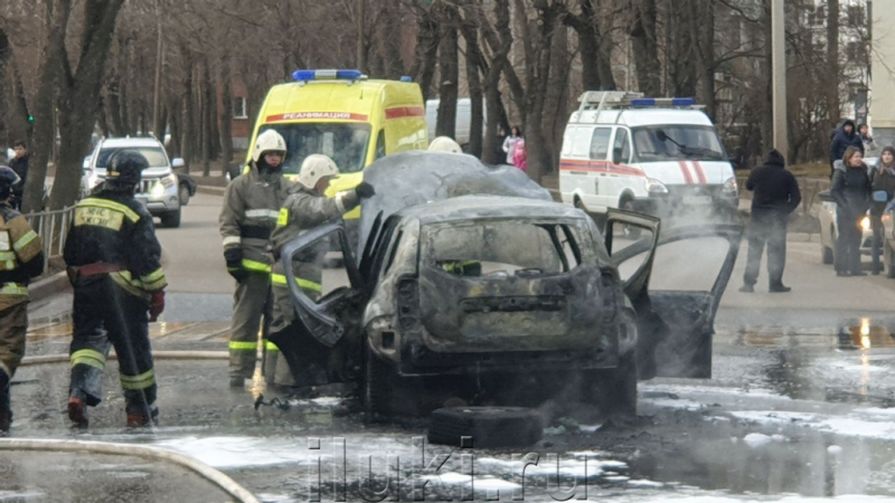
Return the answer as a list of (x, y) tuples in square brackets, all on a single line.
[(677, 295), (337, 312)]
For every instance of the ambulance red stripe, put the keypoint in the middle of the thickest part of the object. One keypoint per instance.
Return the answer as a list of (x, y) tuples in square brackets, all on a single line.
[(700, 173), (398, 112), (686, 171), (600, 167)]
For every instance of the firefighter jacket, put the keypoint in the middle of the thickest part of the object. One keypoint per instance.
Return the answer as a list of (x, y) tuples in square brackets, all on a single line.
[(113, 228), (304, 210), (21, 256), (251, 205)]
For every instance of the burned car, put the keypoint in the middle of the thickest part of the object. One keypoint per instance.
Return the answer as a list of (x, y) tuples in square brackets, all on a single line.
[(472, 284)]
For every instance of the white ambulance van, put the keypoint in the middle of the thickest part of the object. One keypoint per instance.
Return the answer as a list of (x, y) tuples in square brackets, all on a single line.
[(654, 155)]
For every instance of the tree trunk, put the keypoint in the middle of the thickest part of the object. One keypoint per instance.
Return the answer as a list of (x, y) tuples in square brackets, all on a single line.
[(833, 57), (644, 47), (225, 115), (426, 51), (557, 98), (492, 153), (596, 71), (189, 125), (77, 107), (57, 15), (473, 63), (448, 74)]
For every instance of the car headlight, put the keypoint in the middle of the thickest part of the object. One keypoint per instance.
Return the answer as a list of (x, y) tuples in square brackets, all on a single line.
[(730, 185), (157, 191), (170, 180), (654, 186), (865, 223)]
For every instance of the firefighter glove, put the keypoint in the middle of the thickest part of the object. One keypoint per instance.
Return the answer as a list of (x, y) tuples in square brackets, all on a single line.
[(233, 256), (156, 305), (364, 190)]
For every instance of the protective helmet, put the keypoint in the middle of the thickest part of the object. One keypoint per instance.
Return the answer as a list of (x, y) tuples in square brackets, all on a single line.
[(445, 144), (315, 167), (125, 168), (269, 141), (8, 178)]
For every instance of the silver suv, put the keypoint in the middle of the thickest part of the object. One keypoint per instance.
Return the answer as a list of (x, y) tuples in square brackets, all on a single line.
[(160, 188)]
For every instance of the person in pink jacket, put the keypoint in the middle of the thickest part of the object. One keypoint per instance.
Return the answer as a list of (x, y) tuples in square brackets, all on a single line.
[(520, 155)]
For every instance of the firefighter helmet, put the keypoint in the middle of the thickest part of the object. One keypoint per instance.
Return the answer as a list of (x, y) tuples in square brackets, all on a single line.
[(125, 168), (8, 178), (269, 141), (445, 144), (315, 167)]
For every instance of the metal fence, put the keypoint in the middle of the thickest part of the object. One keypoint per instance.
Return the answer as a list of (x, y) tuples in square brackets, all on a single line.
[(52, 227)]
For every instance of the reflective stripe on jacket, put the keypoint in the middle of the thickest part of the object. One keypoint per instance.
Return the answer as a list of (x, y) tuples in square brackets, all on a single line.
[(249, 214), (21, 256)]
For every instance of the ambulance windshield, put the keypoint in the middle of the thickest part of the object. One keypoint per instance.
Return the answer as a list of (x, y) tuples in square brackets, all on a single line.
[(345, 143), (672, 142)]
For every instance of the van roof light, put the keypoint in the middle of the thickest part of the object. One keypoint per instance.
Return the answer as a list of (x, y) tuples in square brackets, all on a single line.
[(683, 102), (406, 78), (643, 102), (341, 74)]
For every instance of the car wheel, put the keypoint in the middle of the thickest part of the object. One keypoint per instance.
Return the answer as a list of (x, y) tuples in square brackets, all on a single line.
[(171, 219), (184, 192), (826, 254), (613, 391), (486, 427)]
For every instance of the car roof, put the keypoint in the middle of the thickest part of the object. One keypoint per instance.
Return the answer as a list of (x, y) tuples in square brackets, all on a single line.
[(130, 142), (641, 117), (474, 207)]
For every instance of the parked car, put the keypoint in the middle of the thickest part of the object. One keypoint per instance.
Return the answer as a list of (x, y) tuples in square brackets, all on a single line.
[(161, 189), (472, 283), (829, 229)]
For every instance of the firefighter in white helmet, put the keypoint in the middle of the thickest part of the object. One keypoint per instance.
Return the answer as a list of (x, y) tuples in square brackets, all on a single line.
[(251, 205), (445, 144), (304, 209)]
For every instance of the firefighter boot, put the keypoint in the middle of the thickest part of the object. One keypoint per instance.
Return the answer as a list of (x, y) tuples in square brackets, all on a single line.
[(140, 415), (77, 410), (5, 407)]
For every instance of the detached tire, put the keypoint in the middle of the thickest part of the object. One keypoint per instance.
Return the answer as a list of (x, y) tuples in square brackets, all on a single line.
[(486, 426), (888, 259), (183, 192), (613, 391)]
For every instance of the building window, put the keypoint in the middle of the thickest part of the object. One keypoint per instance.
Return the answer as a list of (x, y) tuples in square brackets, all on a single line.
[(239, 108)]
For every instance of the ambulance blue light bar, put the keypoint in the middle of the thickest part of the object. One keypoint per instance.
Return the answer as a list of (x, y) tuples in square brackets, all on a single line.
[(307, 75), (651, 102)]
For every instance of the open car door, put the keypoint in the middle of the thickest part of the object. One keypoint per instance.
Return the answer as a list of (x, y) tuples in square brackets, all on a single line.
[(331, 316), (677, 301)]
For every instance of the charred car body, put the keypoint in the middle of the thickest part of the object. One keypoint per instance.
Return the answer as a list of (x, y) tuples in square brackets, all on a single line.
[(472, 283)]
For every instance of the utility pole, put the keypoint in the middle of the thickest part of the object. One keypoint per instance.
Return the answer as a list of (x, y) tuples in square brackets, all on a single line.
[(778, 73)]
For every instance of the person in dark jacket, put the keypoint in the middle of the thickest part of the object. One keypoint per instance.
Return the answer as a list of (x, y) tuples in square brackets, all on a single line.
[(850, 190), (776, 195), (883, 190), (19, 164), (113, 261), (844, 137)]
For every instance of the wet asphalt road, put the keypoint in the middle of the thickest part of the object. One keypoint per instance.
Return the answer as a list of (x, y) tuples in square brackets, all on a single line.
[(800, 405)]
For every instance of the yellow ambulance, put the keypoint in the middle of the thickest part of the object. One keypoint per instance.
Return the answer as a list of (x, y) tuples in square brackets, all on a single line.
[(346, 116)]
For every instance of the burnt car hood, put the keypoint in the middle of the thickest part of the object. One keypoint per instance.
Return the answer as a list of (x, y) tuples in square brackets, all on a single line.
[(412, 178)]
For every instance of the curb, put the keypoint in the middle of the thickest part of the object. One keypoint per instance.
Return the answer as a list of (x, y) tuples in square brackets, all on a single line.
[(49, 286), (210, 189)]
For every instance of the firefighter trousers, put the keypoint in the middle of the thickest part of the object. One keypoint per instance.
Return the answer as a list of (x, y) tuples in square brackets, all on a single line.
[(249, 304), (105, 316), (13, 325)]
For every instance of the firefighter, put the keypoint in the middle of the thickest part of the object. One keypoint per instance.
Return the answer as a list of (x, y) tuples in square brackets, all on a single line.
[(306, 208), (21, 259), (249, 214), (113, 257)]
